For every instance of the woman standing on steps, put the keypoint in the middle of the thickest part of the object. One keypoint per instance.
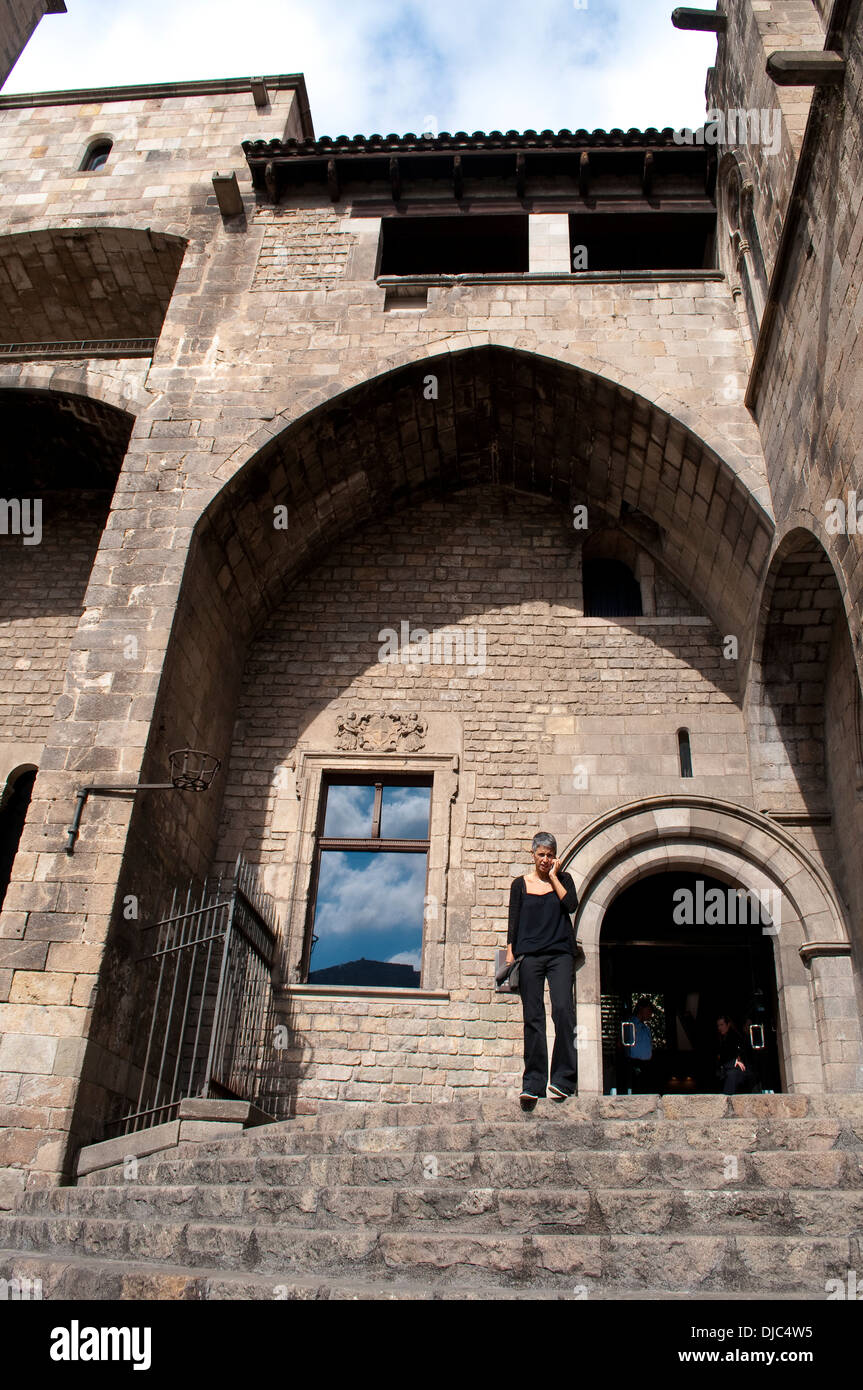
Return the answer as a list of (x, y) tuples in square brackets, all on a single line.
[(540, 932)]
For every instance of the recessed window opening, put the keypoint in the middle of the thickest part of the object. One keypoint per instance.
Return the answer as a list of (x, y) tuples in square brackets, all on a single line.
[(13, 813), (399, 298), (482, 244), (370, 874), (643, 240), (685, 751), (611, 590), (97, 155)]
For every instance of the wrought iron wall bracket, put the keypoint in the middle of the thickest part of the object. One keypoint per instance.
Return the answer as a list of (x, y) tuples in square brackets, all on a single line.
[(83, 792), (192, 770)]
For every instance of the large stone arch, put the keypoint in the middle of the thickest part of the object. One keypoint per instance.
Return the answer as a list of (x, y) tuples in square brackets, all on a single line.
[(86, 283), (822, 1045), (519, 422), (748, 467), (508, 418), (529, 421), (63, 451), (120, 386), (803, 705)]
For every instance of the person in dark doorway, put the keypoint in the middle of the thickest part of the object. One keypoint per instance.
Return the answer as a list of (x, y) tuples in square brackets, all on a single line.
[(540, 932), (736, 1070), (640, 1049)]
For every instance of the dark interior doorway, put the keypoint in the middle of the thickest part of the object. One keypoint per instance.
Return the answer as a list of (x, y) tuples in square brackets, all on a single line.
[(691, 972), (13, 813)]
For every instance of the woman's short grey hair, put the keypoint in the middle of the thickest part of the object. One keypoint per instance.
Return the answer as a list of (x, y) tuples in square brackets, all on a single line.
[(542, 840)]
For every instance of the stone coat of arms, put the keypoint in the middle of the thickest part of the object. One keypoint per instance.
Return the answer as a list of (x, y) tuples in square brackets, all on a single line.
[(381, 733)]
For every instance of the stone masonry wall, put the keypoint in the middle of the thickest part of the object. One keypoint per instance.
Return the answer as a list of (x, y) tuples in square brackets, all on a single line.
[(234, 366), (571, 717), (739, 82), (302, 248), (844, 738), (40, 606)]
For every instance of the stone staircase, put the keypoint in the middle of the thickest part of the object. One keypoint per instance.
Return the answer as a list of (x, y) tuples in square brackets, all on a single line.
[(612, 1198)]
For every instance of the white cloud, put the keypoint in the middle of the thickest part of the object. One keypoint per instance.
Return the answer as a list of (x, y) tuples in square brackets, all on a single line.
[(381, 893), (381, 66), (349, 812), (414, 958)]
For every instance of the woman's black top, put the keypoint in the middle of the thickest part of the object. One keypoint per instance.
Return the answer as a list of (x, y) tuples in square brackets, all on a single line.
[(539, 922)]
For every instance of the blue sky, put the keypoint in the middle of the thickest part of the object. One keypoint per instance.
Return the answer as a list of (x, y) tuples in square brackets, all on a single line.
[(380, 65), (369, 905)]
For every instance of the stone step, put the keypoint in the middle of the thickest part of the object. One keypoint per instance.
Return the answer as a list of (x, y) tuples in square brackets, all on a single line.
[(845, 1108), (471, 1209), (359, 1114), (590, 1168), (80, 1280), (768, 1264), (731, 1134), (733, 1123), (665, 1114)]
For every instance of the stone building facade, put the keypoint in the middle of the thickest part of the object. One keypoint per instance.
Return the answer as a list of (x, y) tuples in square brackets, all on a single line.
[(270, 421)]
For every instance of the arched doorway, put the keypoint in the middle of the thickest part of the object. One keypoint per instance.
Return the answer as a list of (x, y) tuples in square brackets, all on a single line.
[(669, 938), (739, 847), (13, 813)]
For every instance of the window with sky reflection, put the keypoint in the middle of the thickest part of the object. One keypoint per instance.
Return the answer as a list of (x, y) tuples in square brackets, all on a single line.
[(368, 922)]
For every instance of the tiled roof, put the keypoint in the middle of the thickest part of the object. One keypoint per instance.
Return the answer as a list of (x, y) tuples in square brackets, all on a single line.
[(462, 141)]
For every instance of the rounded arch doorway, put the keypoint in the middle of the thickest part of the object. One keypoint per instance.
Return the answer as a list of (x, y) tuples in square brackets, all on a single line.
[(698, 949)]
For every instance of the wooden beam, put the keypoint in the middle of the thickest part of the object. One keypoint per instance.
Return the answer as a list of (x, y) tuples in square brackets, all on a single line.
[(584, 174), (270, 181), (799, 68), (457, 177), (395, 180), (333, 181), (228, 194), (702, 21), (260, 93), (647, 175), (520, 174)]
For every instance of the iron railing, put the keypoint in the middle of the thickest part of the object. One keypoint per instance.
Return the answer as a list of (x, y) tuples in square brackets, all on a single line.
[(209, 1001), (79, 347)]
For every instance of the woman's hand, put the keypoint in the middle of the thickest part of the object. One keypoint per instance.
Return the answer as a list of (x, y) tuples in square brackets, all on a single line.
[(510, 957), (555, 869)]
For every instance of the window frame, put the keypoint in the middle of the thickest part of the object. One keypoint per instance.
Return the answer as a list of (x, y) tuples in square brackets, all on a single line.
[(311, 768), (373, 844), (94, 147)]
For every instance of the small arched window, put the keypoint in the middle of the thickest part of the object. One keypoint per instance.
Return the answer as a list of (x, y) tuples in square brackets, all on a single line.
[(685, 750), (13, 813), (97, 154), (611, 590)]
